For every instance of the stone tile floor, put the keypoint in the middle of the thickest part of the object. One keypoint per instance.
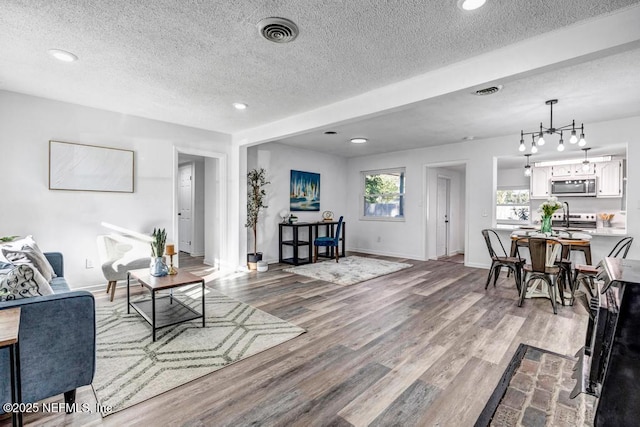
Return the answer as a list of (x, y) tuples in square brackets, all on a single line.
[(538, 395)]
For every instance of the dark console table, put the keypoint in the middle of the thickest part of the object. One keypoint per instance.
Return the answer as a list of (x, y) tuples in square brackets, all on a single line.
[(297, 239)]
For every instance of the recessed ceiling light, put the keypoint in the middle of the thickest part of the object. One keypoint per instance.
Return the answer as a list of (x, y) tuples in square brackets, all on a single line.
[(358, 140), (62, 55), (470, 4), (331, 132), (469, 138), (240, 106)]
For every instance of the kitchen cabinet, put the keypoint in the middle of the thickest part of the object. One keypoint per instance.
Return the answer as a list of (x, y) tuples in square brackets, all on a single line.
[(572, 170), (540, 177), (609, 179), (562, 170)]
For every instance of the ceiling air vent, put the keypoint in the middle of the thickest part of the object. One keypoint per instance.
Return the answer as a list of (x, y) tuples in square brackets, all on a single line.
[(488, 90), (278, 30)]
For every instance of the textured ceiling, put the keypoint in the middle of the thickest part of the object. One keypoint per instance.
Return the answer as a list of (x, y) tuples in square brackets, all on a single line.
[(593, 91), (186, 61)]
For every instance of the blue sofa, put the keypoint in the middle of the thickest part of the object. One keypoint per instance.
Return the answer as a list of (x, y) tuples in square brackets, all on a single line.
[(57, 341)]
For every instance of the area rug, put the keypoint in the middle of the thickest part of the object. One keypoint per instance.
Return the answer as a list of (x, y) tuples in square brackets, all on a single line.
[(535, 391), (130, 368), (350, 270)]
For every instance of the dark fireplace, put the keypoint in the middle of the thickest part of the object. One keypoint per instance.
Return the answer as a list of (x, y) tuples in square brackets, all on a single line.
[(609, 364)]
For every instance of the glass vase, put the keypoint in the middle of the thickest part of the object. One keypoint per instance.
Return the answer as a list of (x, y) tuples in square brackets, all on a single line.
[(546, 224), (158, 267)]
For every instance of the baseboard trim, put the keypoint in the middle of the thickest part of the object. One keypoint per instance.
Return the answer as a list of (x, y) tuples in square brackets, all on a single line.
[(384, 253)]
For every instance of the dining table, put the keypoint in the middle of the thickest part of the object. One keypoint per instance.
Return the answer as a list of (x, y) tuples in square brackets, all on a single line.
[(571, 241)]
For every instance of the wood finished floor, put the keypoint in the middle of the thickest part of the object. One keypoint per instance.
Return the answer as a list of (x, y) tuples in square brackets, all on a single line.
[(423, 346)]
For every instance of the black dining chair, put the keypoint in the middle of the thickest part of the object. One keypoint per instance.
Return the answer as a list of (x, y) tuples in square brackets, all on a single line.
[(586, 273), (500, 259), (328, 241), (542, 268)]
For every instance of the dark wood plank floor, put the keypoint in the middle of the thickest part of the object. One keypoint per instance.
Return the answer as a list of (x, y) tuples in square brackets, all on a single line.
[(423, 346)]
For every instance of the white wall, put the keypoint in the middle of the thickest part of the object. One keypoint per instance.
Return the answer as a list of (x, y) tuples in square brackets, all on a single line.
[(278, 160), (199, 203), (410, 238), (69, 221), (213, 225), (512, 177)]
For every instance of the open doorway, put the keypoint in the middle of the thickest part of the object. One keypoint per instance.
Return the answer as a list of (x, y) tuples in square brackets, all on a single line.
[(445, 218), (199, 207)]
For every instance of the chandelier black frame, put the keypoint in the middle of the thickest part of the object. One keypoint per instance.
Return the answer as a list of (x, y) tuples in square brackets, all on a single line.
[(553, 130)]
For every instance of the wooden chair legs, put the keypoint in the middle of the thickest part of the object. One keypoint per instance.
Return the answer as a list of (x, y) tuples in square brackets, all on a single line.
[(111, 286)]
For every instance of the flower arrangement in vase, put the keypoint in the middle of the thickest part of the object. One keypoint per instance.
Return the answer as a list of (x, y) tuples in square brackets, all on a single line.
[(547, 209)]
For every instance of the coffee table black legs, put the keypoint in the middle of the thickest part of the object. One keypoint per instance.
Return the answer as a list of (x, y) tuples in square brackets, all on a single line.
[(153, 314), (203, 304)]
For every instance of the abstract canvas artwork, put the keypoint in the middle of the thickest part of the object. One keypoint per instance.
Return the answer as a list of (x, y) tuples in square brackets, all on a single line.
[(305, 191)]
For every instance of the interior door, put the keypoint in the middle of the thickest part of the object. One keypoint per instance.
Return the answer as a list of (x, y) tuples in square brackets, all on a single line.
[(443, 215), (184, 207)]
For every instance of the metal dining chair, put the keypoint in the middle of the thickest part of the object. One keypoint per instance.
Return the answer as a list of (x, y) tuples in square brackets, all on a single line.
[(586, 273), (544, 266), (500, 259)]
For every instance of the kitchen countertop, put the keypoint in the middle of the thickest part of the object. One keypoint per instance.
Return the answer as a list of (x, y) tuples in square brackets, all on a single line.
[(600, 231)]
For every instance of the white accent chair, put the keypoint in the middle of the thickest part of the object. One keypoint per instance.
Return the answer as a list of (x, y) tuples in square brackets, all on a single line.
[(119, 254)]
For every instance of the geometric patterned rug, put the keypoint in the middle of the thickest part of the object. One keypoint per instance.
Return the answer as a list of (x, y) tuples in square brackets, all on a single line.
[(350, 270), (131, 368)]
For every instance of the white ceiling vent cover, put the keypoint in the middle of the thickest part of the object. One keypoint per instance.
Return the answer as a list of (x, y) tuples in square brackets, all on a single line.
[(278, 30)]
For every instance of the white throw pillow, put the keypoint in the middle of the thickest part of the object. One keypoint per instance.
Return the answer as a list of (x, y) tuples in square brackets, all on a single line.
[(23, 281), (26, 251)]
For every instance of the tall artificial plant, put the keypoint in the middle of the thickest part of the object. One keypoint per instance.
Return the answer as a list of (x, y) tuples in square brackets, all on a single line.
[(256, 181)]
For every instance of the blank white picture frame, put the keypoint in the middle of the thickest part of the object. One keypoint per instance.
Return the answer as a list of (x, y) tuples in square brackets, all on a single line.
[(81, 167)]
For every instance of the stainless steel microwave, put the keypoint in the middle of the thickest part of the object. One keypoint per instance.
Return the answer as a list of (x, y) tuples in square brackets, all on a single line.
[(573, 187)]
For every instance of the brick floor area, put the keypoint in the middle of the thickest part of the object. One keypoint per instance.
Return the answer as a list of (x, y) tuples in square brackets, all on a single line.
[(538, 395)]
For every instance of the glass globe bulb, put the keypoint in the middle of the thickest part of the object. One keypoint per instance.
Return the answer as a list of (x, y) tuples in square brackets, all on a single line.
[(541, 140), (573, 138), (534, 149), (561, 147), (522, 147), (582, 141)]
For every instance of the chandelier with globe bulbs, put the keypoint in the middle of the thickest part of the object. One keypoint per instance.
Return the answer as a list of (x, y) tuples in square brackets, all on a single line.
[(535, 143)]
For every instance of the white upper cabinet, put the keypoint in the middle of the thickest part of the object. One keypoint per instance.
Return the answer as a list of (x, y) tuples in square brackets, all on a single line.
[(573, 170), (561, 170), (609, 179), (540, 182)]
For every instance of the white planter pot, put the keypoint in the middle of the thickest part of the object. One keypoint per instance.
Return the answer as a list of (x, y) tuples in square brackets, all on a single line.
[(263, 266)]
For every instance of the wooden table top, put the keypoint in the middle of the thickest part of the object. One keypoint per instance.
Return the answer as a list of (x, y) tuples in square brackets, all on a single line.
[(165, 282), (564, 240), (9, 326)]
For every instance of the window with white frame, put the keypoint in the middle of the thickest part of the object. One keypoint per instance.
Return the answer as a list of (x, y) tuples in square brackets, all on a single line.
[(383, 194), (513, 206)]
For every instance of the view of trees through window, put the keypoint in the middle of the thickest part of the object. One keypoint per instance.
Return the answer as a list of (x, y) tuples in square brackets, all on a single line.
[(513, 205), (384, 194)]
